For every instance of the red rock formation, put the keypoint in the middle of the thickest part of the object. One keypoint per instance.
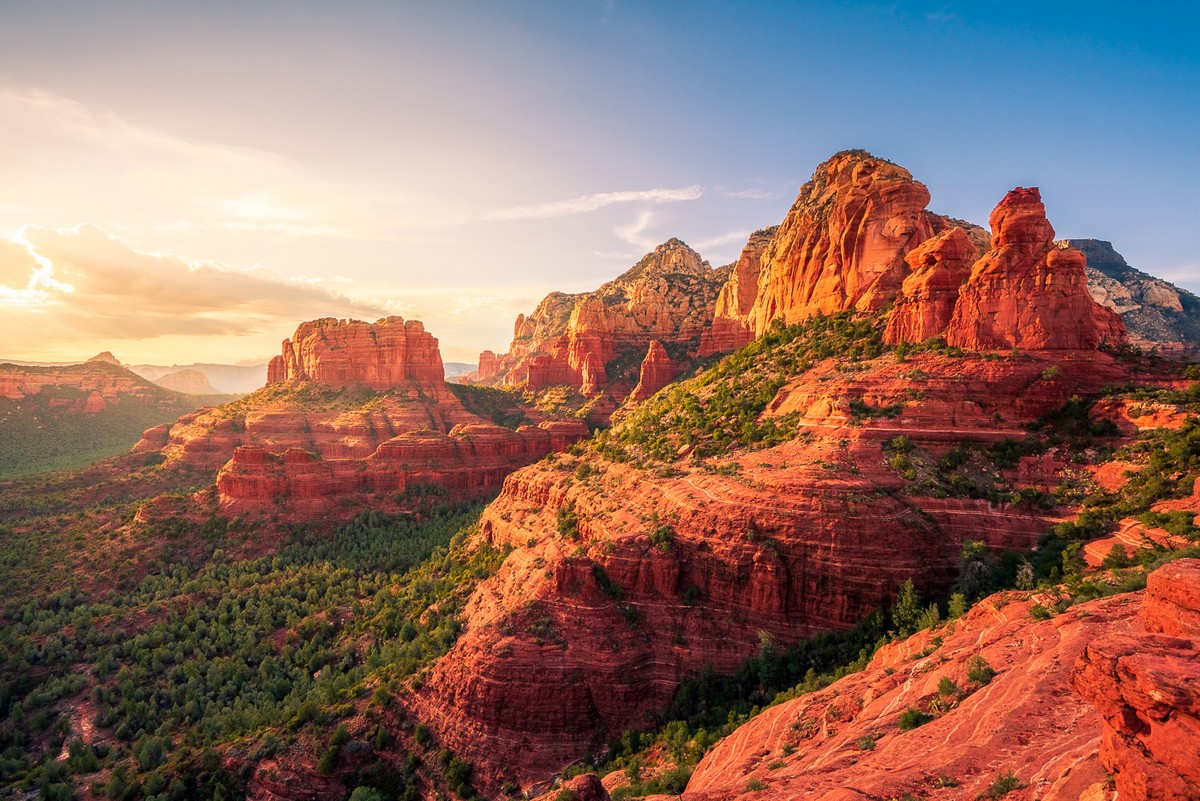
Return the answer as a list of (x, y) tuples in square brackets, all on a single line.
[(843, 243), (489, 366), (657, 371), (731, 326), (312, 450), (1025, 721), (574, 340), (1146, 685), (1028, 293), (806, 536), (340, 353), (927, 297), (469, 462)]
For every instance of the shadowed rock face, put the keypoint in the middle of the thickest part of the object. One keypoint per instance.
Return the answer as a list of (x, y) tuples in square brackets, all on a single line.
[(341, 353), (656, 372), (842, 245), (1026, 292), (1146, 685)]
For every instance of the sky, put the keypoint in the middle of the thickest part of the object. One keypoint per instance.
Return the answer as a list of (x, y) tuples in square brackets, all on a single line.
[(187, 181)]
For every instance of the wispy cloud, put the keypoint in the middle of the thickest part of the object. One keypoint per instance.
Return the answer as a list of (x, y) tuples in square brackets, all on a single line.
[(633, 232), (738, 237), (753, 194), (588, 203)]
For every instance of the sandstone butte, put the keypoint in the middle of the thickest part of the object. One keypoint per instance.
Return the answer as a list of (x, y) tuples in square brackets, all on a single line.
[(595, 341), (1108, 687), (356, 413)]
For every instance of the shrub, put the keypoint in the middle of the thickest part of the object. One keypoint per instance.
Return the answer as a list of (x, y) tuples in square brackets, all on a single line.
[(1005, 783), (866, 743), (946, 686), (911, 718), (979, 671)]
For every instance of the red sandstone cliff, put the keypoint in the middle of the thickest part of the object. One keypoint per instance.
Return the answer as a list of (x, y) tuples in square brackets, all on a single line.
[(1145, 682), (732, 326), (356, 414), (927, 296), (586, 630), (339, 353), (843, 243), (656, 372), (1026, 292)]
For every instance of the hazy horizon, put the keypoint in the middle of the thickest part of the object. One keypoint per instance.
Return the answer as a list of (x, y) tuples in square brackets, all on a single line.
[(187, 184)]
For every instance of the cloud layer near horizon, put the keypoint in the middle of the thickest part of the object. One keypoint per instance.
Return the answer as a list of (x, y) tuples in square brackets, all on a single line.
[(67, 286)]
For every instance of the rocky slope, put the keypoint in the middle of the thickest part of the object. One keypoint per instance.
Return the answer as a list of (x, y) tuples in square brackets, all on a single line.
[(628, 579), (595, 341), (67, 416), (1156, 313), (356, 414), (844, 742), (1145, 682)]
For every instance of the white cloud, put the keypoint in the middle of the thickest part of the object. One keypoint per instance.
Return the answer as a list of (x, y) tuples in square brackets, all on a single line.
[(739, 237), (633, 232), (588, 203)]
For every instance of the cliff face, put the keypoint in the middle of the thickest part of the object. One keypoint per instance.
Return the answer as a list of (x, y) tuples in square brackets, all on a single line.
[(1156, 314), (627, 581), (1026, 292), (189, 382), (341, 353), (1145, 682), (731, 326), (843, 243), (595, 341)]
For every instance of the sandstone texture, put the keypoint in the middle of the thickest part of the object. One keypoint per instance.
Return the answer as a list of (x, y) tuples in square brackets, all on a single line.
[(927, 297), (1145, 683), (1025, 720), (842, 245), (732, 317), (357, 414), (656, 372), (600, 611), (341, 353), (1026, 292)]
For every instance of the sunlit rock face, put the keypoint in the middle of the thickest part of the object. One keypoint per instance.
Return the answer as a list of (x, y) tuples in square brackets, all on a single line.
[(842, 245), (340, 353), (1027, 292)]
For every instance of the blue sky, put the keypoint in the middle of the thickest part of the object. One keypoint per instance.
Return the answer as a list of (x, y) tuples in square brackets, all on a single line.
[(452, 162)]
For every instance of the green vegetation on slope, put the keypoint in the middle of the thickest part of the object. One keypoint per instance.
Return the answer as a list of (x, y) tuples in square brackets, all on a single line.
[(720, 409), (250, 653), (48, 431)]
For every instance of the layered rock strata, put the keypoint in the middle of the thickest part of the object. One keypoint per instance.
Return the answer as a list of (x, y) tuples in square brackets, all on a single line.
[(1146, 684), (626, 582), (341, 353)]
